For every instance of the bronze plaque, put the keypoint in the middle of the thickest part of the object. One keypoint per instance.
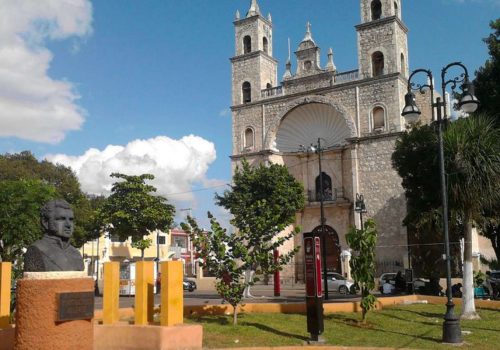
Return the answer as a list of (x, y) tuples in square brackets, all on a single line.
[(75, 306)]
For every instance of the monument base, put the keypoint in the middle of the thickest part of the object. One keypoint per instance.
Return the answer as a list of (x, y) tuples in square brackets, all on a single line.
[(38, 324), (125, 336)]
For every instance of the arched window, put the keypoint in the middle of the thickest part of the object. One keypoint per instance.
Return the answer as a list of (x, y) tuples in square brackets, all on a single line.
[(377, 64), (246, 90), (376, 10), (327, 187), (378, 118), (249, 138), (403, 65), (307, 65), (396, 11), (247, 44), (265, 44), (269, 86)]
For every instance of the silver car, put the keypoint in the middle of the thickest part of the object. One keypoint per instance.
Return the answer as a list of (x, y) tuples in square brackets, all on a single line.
[(338, 283)]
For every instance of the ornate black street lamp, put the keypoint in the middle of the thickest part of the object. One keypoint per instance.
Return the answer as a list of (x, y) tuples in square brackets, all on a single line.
[(468, 103), (317, 149)]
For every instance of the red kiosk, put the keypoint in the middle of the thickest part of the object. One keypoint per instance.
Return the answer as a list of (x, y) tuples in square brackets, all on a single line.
[(314, 292)]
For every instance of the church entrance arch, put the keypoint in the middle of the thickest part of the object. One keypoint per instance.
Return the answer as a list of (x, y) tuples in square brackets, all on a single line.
[(332, 245)]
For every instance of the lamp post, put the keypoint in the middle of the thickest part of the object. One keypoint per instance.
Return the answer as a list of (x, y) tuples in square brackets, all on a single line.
[(468, 103), (317, 149), (360, 207)]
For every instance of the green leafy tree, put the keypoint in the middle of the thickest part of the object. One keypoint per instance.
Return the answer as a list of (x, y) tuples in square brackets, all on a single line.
[(487, 82), (263, 201), (416, 160), (24, 166), (473, 165), (142, 244), (225, 256), (133, 210), (362, 263), (20, 203)]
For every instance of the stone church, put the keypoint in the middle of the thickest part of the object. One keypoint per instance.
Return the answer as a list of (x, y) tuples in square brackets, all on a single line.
[(353, 116)]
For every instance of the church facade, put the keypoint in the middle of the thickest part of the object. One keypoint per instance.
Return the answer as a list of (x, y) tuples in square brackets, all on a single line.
[(352, 118)]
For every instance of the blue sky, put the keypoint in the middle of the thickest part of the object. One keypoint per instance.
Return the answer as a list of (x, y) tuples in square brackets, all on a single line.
[(144, 75)]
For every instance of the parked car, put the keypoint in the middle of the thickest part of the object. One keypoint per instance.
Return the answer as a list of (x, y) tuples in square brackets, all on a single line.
[(189, 285), (338, 283)]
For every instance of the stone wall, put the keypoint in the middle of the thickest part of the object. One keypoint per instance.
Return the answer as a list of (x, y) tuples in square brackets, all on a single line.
[(384, 197)]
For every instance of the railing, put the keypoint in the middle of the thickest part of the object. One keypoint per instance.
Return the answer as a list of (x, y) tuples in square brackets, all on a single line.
[(347, 76), (328, 195), (274, 91)]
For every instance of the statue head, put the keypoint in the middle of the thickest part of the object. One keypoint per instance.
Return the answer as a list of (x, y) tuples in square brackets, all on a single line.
[(56, 218)]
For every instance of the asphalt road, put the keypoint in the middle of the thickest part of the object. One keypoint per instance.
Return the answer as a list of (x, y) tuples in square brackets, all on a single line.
[(261, 294)]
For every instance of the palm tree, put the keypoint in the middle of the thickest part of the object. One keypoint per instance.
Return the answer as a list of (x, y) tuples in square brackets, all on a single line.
[(472, 148)]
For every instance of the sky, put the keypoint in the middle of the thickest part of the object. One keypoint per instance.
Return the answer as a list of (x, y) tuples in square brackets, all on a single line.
[(144, 86)]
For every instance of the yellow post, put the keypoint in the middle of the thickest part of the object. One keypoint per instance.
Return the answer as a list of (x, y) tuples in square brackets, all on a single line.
[(172, 297), (111, 293), (144, 301), (5, 284)]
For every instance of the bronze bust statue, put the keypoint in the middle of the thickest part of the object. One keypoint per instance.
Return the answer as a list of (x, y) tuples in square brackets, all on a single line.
[(54, 252)]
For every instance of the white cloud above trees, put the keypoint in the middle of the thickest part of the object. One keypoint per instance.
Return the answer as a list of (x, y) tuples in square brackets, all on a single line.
[(176, 164), (34, 106)]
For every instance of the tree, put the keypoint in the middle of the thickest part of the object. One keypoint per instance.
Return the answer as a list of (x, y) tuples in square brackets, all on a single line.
[(362, 263), (24, 166), (20, 203), (472, 163), (472, 148), (225, 256), (133, 210), (487, 82), (416, 160), (263, 201)]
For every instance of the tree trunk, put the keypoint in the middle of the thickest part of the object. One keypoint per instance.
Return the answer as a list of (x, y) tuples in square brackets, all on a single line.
[(142, 254), (363, 315), (235, 315), (468, 305)]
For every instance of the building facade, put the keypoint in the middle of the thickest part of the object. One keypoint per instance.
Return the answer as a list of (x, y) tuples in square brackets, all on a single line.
[(172, 245), (354, 116)]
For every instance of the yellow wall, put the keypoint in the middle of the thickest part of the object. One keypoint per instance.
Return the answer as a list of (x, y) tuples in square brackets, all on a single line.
[(125, 250)]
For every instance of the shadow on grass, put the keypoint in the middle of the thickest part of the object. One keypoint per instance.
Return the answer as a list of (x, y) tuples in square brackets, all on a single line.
[(217, 319), (344, 320), (273, 330), (421, 313)]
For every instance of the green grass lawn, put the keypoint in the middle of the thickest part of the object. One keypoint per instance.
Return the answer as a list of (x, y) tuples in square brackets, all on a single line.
[(413, 326)]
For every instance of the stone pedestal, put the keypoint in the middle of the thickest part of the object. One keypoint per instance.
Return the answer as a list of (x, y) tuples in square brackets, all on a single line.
[(37, 325)]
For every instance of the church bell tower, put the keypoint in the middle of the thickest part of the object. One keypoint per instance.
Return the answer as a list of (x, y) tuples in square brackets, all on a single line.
[(253, 66), (382, 39)]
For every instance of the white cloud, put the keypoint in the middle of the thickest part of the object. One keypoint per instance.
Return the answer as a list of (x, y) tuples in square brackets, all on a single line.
[(33, 106), (176, 164)]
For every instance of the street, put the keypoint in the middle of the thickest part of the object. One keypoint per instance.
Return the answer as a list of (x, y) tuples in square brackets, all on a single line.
[(261, 294)]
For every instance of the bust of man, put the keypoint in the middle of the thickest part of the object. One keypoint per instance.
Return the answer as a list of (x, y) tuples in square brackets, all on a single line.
[(54, 252)]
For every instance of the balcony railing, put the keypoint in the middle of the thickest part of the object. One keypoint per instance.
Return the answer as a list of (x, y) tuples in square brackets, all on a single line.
[(347, 76), (274, 91), (328, 195)]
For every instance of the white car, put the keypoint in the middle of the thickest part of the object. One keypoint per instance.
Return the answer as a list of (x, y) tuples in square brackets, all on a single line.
[(338, 283)]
